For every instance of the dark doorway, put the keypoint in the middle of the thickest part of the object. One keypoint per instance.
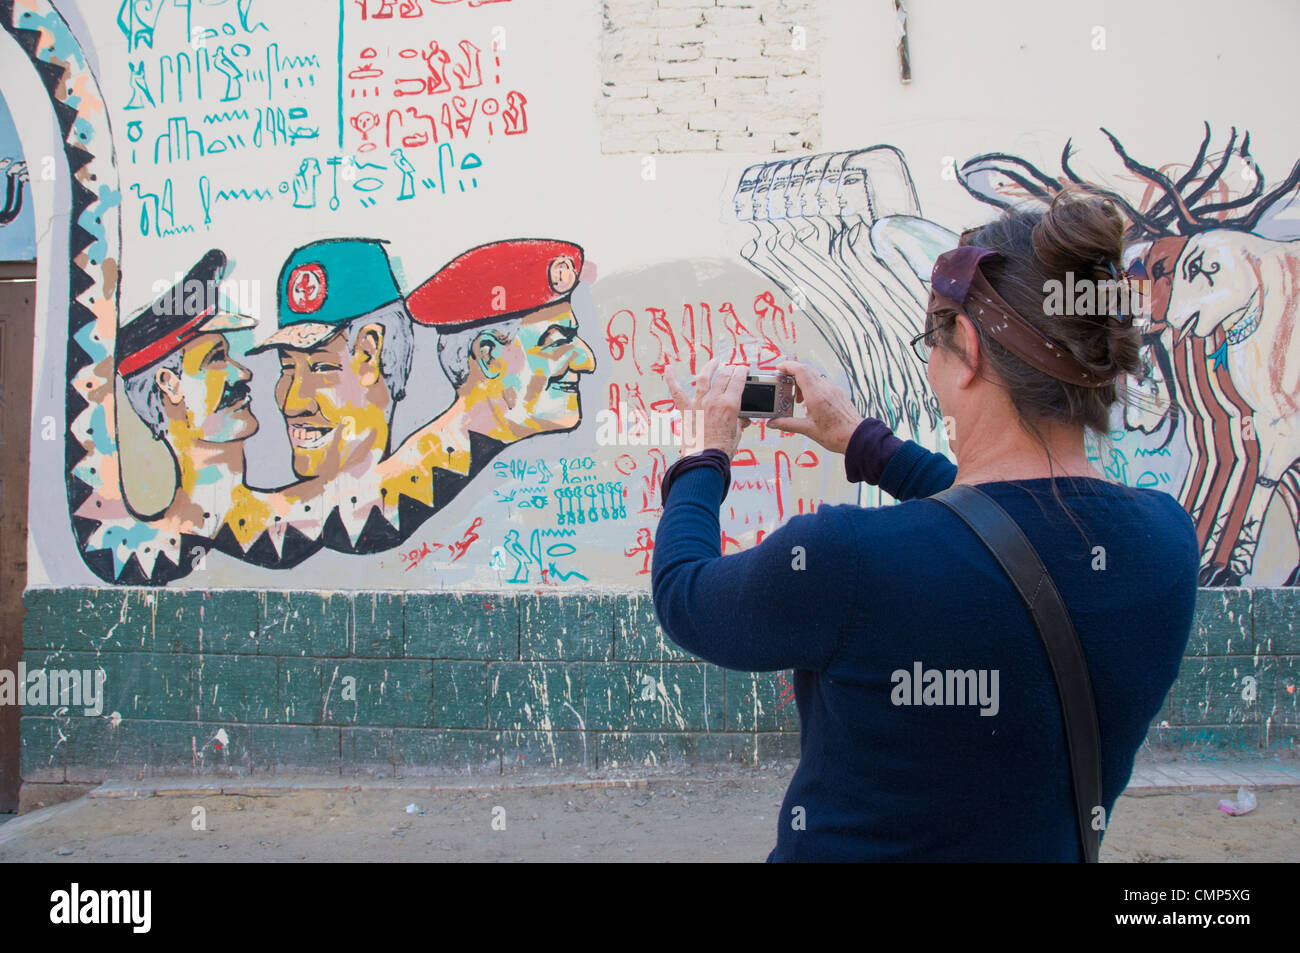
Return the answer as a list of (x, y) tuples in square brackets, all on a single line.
[(17, 323)]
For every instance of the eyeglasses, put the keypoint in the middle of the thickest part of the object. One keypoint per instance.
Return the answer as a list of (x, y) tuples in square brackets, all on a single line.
[(921, 348), (921, 344)]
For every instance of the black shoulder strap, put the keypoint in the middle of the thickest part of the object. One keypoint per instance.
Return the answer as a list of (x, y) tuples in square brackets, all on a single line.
[(1005, 540)]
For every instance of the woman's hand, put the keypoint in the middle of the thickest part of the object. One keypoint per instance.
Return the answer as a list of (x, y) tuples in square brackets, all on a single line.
[(714, 412), (831, 417)]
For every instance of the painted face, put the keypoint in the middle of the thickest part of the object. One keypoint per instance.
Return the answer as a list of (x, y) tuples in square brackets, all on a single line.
[(215, 398), (828, 187), (335, 404), (1214, 282), (776, 193), (794, 187), (743, 200), (533, 380), (1161, 259), (853, 197), (762, 186), (806, 202)]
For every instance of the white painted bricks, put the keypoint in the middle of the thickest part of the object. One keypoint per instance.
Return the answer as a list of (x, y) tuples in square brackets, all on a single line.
[(709, 75)]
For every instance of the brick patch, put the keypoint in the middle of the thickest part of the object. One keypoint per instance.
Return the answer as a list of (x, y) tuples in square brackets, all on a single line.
[(709, 76)]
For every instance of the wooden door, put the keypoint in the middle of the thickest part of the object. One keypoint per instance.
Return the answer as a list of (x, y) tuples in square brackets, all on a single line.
[(17, 321)]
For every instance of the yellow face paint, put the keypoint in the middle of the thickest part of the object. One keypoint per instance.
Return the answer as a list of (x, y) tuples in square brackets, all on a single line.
[(335, 406), (530, 384), (215, 401)]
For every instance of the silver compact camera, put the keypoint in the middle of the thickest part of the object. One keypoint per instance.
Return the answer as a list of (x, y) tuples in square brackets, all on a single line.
[(767, 395)]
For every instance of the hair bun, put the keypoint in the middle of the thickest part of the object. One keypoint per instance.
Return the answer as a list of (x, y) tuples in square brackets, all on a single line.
[(1081, 233), (1081, 236)]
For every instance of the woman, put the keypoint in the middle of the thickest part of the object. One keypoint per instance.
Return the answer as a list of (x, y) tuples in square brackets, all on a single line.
[(862, 602)]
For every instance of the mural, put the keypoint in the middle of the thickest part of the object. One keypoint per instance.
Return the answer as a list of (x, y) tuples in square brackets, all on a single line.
[(844, 232), (167, 451), (508, 342), (345, 416), (17, 228), (843, 235), (1224, 264)]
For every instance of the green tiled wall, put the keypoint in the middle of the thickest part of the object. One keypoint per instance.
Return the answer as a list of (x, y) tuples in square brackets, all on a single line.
[(490, 683)]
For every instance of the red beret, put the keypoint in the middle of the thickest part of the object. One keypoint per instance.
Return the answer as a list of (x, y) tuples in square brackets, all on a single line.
[(496, 282)]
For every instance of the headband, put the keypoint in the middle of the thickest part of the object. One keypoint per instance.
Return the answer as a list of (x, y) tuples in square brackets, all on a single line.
[(957, 284)]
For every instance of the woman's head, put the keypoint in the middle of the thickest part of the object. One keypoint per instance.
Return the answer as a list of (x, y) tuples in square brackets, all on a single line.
[(1045, 258)]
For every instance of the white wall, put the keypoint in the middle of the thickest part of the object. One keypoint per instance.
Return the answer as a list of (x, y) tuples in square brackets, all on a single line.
[(1015, 77)]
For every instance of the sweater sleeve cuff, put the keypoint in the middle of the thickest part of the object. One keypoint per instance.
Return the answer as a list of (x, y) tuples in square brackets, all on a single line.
[(869, 451), (714, 459), (900, 472)]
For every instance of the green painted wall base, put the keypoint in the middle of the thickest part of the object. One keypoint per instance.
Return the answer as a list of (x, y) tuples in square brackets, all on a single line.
[(409, 684)]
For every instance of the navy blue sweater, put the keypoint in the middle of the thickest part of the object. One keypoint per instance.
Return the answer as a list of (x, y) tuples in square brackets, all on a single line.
[(885, 590)]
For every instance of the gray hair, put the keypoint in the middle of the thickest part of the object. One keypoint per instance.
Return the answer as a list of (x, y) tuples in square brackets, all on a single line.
[(146, 397), (399, 344), (454, 348)]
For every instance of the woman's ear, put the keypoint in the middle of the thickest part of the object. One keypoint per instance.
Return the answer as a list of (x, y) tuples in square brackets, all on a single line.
[(967, 341)]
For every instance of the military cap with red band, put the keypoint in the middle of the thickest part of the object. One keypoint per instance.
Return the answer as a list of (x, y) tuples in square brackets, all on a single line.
[(496, 282), (957, 284), (187, 310)]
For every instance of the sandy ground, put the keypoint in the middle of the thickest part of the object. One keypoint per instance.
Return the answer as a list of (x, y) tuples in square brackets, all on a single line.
[(729, 818)]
